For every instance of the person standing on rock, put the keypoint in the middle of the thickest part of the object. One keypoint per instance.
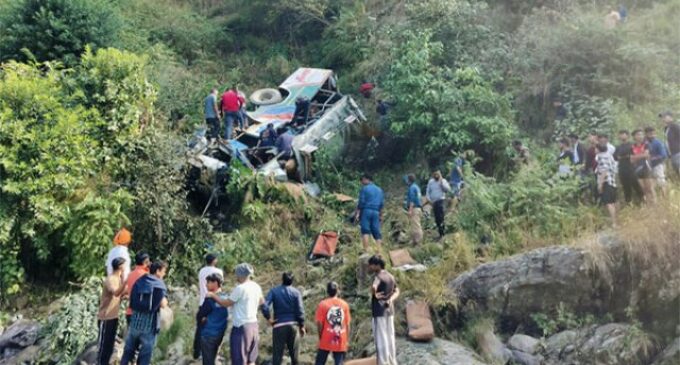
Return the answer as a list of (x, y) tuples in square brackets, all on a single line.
[(369, 211), (246, 298), (121, 241), (437, 188), (384, 292), (213, 319), (112, 291), (414, 209), (289, 313), (209, 269), (149, 295), (333, 321)]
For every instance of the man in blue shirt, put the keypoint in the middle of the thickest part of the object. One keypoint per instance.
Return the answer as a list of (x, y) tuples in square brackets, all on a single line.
[(148, 296), (284, 146), (457, 176), (211, 113), (369, 211), (657, 156), (289, 312), (414, 208), (213, 319)]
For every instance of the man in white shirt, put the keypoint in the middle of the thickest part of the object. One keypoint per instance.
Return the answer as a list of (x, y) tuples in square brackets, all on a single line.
[(437, 188), (121, 241), (245, 299), (207, 270)]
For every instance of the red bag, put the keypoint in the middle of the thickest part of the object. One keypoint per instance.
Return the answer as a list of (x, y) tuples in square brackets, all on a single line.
[(325, 245)]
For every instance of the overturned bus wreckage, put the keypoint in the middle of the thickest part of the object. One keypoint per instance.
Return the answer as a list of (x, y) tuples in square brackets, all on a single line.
[(307, 105)]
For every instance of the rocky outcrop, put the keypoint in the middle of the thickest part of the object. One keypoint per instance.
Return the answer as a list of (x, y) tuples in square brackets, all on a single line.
[(17, 338), (524, 343), (670, 355), (436, 352), (610, 344), (607, 278)]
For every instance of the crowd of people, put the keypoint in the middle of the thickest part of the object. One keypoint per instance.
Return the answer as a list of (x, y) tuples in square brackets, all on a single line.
[(638, 164), (282, 307)]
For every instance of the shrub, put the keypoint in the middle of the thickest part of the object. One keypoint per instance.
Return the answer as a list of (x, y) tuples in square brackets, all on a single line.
[(56, 29)]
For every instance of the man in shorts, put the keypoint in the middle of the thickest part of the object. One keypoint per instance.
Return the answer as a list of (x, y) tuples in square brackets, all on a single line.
[(370, 210), (657, 157)]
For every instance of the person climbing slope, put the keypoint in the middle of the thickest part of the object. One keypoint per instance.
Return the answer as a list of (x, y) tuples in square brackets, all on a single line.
[(369, 211)]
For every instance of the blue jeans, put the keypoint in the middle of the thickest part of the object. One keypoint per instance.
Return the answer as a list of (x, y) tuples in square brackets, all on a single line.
[(370, 223), (146, 341), (229, 119)]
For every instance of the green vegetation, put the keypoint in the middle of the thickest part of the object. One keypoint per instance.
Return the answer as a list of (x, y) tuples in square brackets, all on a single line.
[(97, 99)]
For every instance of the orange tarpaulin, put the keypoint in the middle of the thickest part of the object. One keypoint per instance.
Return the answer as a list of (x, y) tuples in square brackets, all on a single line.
[(325, 244)]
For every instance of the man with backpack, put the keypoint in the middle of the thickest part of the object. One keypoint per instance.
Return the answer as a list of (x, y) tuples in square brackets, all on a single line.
[(148, 296)]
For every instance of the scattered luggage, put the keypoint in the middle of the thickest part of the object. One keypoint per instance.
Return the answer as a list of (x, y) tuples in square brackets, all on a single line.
[(401, 257), (419, 320), (324, 245)]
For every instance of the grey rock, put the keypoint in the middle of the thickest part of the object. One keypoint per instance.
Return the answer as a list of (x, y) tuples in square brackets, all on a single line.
[(19, 335), (524, 343), (670, 355), (437, 352), (610, 344), (607, 277), (492, 349), (522, 358)]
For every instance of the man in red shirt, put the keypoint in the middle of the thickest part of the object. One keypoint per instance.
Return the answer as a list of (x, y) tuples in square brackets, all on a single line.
[(230, 105), (333, 324), (142, 262), (366, 89)]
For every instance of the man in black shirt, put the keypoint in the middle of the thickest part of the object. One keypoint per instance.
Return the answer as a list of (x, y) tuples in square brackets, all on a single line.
[(631, 186), (384, 292)]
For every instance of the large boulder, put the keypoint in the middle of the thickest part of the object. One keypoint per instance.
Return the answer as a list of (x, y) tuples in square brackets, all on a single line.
[(607, 277), (524, 343), (670, 355), (436, 352), (537, 281), (21, 334), (609, 344)]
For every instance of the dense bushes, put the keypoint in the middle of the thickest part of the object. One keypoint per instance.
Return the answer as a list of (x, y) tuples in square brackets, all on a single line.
[(55, 29), (440, 109), (74, 163)]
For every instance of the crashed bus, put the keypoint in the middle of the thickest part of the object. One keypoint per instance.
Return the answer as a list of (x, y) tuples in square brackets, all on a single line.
[(325, 125)]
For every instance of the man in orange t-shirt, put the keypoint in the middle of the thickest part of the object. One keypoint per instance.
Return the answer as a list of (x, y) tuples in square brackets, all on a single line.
[(142, 262), (333, 324)]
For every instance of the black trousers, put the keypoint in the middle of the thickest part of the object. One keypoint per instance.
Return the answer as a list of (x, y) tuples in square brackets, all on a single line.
[(286, 337), (197, 341), (322, 356), (209, 348), (631, 186), (438, 208), (108, 330)]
